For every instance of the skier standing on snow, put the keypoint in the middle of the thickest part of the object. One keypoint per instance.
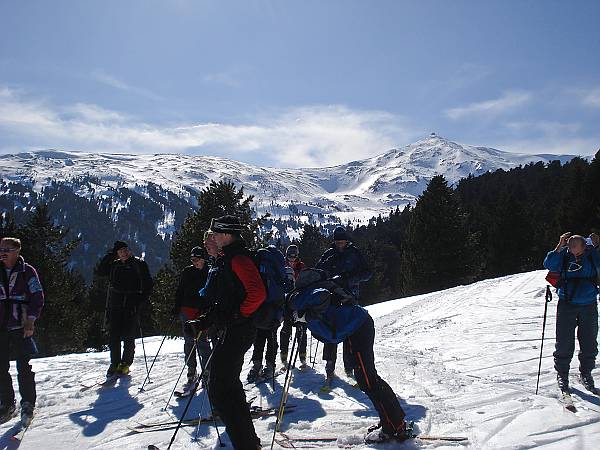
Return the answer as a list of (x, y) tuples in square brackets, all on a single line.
[(296, 265), (345, 261), (578, 265), (190, 305), (21, 302), (236, 290), (130, 285), (332, 316)]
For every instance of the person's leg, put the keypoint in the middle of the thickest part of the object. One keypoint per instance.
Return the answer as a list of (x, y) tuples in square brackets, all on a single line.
[(129, 329), (587, 334), (259, 347), (271, 347), (302, 345), (566, 321), (114, 336), (225, 389), (330, 357), (284, 339), (189, 337), (7, 393), (349, 362), (25, 376), (384, 399)]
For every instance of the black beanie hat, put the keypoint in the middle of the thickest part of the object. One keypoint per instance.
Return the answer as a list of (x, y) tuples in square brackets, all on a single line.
[(118, 245), (292, 250), (199, 252), (340, 234), (227, 224)]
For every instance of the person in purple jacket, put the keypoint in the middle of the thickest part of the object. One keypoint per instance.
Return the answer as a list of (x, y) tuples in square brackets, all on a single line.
[(21, 302), (577, 259)]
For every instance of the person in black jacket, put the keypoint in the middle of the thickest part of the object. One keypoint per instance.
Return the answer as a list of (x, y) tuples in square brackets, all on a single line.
[(189, 305), (344, 262), (235, 290), (130, 286)]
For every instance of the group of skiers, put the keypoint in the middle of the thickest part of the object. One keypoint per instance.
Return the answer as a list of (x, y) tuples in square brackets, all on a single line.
[(229, 299), (225, 294)]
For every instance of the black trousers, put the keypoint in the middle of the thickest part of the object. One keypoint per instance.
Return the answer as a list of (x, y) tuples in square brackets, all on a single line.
[(330, 356), (12, 347), (263, 337), (123, 325), (585, 319), (226, 391), (285, 336), (391, 415)]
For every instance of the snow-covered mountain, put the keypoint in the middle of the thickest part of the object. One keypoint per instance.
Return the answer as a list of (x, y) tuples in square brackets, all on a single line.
[(463, 361), (359, 189)]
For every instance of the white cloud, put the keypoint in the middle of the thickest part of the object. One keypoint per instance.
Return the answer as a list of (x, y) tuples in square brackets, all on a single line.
[(550, 145), (509, 100), (309, 136), (102, 77), (592, 98)]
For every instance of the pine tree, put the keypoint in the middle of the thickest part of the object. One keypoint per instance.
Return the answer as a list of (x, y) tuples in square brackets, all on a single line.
[(62, 327), (312, 245), (440, 250)]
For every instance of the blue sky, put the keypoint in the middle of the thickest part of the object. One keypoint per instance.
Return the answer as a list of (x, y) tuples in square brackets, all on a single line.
[(298, 83)]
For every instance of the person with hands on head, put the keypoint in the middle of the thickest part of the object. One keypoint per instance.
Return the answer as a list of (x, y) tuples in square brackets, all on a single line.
[(577, 259), (130, 285), (21, 302)]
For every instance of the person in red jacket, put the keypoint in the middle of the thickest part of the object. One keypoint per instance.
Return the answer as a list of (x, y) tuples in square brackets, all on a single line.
[(236, 291), (21, 302)]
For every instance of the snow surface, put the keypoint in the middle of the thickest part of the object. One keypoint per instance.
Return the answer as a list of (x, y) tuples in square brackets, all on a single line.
[(463, 361)]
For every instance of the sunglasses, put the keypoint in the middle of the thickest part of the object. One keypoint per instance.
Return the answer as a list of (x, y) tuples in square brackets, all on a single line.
[(7, 250)]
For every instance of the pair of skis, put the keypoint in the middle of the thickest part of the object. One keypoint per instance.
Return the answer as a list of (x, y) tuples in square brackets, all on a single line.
[(567, 400)]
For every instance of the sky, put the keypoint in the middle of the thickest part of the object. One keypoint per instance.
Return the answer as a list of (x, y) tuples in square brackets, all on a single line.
[(298, 83)]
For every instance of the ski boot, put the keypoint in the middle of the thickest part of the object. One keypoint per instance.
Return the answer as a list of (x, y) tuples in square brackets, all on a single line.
[(303, 364), (378, 434), (254, 373), (588, 381), (268, 372), (123, 369), (563, 382), (191, 383), (27, 409), (7, 411), (113, 370), (284, 359)]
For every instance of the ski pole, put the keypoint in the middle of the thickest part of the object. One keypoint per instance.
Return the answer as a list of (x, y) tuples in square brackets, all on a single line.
[(194, 390), (144, 349), (316, 350), (286, 384), (192, 353), (310, 349), (141, 389), (548, 300)]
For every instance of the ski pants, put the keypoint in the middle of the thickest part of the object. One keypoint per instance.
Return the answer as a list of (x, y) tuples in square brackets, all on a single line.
[(12, 347), (285, 336), (330, 357), (123, 325), (391, 415), (189, 343), (226, 392), (585, 319), (270, 338)]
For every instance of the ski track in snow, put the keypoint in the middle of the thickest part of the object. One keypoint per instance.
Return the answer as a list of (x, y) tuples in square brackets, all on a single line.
[(463, 361)]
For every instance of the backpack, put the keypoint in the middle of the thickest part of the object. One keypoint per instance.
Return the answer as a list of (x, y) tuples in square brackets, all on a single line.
[(270, 262), (559, 279)]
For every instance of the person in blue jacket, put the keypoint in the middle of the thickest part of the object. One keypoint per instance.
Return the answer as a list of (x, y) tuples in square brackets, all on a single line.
[(345, 262), (332, 316), (578, 263)]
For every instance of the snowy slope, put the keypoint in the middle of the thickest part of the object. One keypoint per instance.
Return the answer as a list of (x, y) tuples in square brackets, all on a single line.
[(358, 189), (464, 362)]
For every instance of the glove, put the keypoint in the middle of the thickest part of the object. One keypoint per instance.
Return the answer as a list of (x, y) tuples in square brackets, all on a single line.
[(299, 317), (201, 323)]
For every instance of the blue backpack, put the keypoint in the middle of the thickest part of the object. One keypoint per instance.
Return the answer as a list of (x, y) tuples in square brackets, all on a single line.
[(271, 266)]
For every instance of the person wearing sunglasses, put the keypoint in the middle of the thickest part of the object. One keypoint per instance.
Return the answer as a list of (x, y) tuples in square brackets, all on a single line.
[(577, 259), (21, 302)]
